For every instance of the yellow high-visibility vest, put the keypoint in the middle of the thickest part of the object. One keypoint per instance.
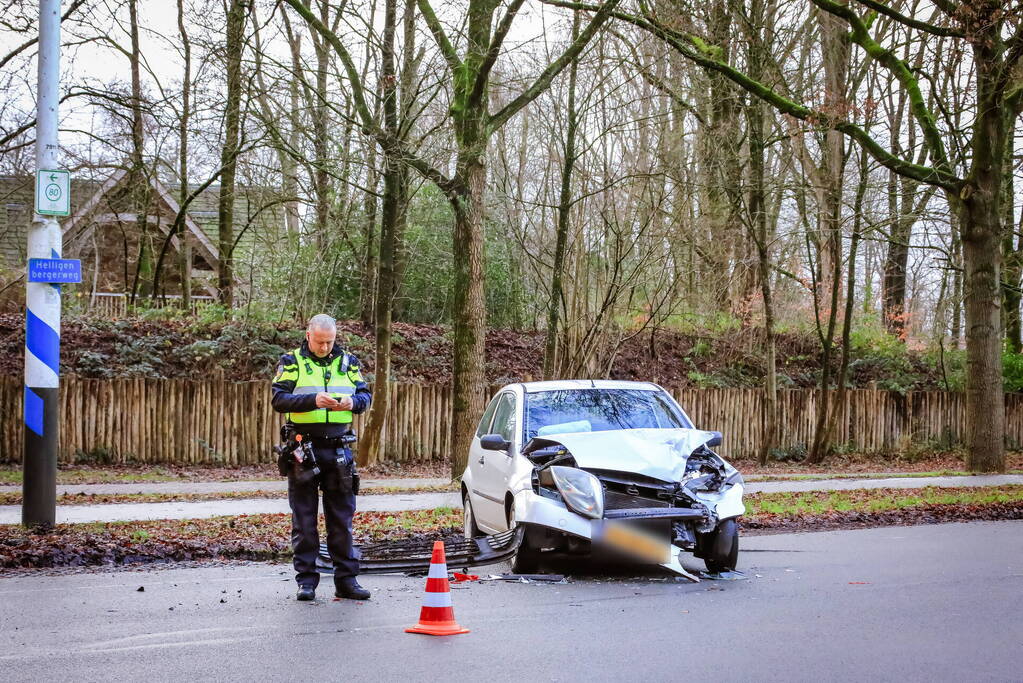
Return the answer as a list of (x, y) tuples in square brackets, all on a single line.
[(336, 379)]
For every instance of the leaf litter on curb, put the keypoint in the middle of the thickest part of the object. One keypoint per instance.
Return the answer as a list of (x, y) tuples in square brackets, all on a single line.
[(242, 537)]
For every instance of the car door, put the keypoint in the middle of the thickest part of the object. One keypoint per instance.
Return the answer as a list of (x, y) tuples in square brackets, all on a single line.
[(491, 469), (476, 457)]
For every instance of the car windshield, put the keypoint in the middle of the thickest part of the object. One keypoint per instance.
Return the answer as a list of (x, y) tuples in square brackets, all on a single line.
[(598, 410)]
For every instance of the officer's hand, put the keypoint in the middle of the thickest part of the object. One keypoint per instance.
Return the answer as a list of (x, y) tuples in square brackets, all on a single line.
[(325, 400), (345, 403)]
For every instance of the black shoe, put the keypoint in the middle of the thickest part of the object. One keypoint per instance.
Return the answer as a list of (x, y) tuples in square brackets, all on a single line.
[(306, 593), (348, 587)]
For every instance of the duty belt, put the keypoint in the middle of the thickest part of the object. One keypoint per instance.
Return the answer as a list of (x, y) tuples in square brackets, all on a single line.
[(343, 441)]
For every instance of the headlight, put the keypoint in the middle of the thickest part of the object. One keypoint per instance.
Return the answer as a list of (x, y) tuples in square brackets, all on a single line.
[(581, 490)]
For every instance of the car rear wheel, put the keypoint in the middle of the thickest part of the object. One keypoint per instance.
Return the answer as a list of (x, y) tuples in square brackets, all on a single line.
[(721, 552), (469, 527)]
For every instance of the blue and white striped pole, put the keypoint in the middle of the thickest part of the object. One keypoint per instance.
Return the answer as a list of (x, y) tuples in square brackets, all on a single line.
[(42, 317)]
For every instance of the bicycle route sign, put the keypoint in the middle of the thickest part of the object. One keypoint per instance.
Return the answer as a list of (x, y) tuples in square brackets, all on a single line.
[(53, 192)]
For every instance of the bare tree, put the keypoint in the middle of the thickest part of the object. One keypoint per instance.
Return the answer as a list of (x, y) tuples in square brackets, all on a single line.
[(995, 36), (235, 42), (472, 125)]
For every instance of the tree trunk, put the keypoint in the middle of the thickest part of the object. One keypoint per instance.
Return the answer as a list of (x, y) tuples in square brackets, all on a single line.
[(893, 305), (289, 166), (980, 218), (184, 253), (229, 153), (368, 289), (557, 302), (985, 404), (138, 177), (835, 48), (850, 286), (756, 58), (956, 331), (1012, 273), (392, 229), (468, 377), (720, 169), (321, 134)]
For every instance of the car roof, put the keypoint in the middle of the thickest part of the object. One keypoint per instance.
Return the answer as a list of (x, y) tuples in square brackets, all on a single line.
[(563, 384)]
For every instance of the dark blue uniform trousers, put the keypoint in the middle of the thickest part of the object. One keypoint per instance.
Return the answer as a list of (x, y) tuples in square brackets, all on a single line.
[(338, 510)]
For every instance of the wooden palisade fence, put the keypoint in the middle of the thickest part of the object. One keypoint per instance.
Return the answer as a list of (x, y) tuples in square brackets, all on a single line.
[(232, 423)]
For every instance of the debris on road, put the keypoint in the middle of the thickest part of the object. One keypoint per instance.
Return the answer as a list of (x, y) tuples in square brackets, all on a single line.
[(528, 578), (724, 576)]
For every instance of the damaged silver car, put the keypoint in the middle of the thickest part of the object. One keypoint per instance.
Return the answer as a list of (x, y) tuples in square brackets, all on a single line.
[(595, 467)]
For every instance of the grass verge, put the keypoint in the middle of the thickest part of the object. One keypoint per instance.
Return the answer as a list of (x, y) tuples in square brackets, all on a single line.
[(865, 475), (826, 510), (811, 503)]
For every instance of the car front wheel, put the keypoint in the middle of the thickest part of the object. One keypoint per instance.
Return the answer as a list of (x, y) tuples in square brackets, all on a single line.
[(470, 529), (721, 547), (527, 558)]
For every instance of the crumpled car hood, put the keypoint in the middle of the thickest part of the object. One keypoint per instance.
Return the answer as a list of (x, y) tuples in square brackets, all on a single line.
[(657, 453)]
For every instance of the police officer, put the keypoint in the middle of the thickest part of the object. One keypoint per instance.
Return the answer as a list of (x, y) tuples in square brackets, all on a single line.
[(319, 387)]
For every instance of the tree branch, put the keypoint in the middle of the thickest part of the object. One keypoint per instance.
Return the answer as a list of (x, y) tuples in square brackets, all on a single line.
[(884, 9), (493, 51), (861, 36), (441, 38), (1014, 50), (602, 13), (27, 44), (390, 144), (655, 81), (28, 125), (696, 50)]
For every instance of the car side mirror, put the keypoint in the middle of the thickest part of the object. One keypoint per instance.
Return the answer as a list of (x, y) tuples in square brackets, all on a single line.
[(494, 442), (715, 440)]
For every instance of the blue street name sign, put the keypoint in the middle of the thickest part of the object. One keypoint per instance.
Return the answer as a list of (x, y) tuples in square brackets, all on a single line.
[(55, 270)]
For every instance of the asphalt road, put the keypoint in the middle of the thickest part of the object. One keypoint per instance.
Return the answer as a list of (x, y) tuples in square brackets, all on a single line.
[(928, 603)]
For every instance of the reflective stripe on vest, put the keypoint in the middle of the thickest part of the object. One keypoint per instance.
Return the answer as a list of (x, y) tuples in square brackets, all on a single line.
[(313, 378), (331, 389)]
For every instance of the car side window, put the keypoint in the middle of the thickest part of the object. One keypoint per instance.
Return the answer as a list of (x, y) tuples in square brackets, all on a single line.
[(504, 418), (488, 414)]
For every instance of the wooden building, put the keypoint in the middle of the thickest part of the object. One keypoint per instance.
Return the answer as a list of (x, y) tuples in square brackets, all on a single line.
[(105, 232)]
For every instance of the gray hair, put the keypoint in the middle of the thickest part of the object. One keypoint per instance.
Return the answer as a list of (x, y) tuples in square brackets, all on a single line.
[(322, 321)]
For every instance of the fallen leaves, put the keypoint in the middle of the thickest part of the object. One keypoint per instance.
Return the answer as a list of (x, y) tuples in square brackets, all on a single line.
[(243, 537), (926, 513)]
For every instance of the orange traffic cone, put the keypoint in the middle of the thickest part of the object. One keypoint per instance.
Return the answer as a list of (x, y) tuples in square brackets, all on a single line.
[(437, 617)]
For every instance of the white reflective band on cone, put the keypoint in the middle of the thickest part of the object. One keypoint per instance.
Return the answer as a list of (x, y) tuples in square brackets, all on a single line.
[(437, 571), (437, 599)]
